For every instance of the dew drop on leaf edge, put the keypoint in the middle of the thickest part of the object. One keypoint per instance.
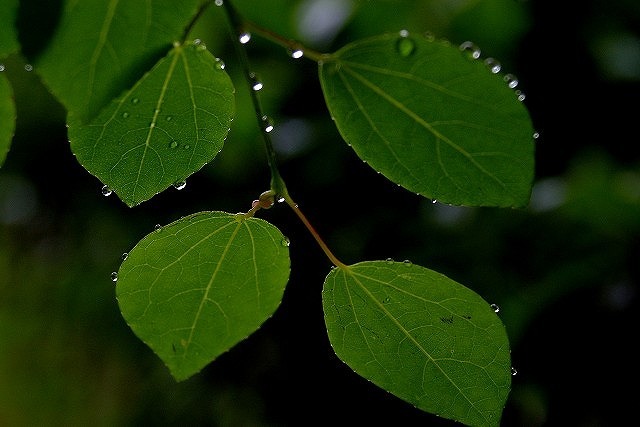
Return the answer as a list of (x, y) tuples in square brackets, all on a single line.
[(180, 185), (114, 276), (495, 308), (106, 191)]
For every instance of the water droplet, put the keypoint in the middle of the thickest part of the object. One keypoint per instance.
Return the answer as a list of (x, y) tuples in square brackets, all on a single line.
[(106, 191), (407, 262), (405, 45), (220, 64), (197, 42), (114, 276), (285, 241), (125, 115), (244, 37), (173, 144), (256, 84), (512, 81), (514, 371), (28, 67), (389, 260), (296, 53), (495, 307), (520, 94), (125, 256), (434, 201), (1, 68), (134, 101), (218, 2), (169, 118), (470, 49), (387, 300), (536, 135), (157, 228), (180, 185), (280, 199), (187, 146), (493, 65), (429, 36), (267, 124)]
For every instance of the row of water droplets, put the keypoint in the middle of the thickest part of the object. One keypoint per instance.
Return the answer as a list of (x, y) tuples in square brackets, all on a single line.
[(27, 67), (406, 46)]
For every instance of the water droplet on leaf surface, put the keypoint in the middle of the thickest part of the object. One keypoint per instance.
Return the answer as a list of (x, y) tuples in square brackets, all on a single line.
[(285, 241), (493, 65), (495, 308), (114, 276), (134, 101), (219, 2), (125, 115), (389, 260), (173, 144), (106, 191), (28, 67), (157, 228), (514, 371), (220, 64), (470, 49), (180, 185), (125, 256), (512, 81), (405, 46)]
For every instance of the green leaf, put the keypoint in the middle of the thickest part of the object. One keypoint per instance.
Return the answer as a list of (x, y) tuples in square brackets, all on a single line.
[(193, 289), (7, 117), (8, 37), (432, 120), (421, 336), (170, 124), (101, 47)]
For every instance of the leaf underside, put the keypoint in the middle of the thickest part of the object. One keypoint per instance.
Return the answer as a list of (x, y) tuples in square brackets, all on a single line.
[(196, 287), (170, 124), (422, 337), (431, 120)]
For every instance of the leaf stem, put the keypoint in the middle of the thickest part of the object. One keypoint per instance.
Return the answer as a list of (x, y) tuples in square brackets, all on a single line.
[(277, 183), (293, 47), (315, 234), (278, 189)]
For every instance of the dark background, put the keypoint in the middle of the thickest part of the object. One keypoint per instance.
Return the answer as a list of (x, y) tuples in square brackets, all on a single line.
[(564, 270)]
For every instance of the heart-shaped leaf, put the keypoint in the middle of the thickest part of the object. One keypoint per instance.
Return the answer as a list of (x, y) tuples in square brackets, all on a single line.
[(193, 289), (421, 336), (432, 120), (7, 117), (165, 128), (101, 47)]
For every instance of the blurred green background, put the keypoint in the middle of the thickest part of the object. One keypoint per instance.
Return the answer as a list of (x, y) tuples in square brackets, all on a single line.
[(564, 271)]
